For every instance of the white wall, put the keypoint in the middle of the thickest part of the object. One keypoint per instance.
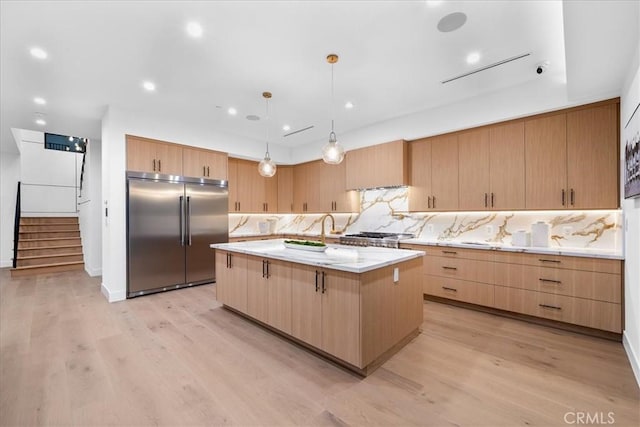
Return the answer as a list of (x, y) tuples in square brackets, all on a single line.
[(9, 177), (631, 208), (89, 209)]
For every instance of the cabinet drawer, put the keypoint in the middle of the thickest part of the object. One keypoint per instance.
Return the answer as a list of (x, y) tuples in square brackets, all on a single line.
[(593, 314), (459, 290), (464, 269), (560, 261), (583, 284), (448, 252)]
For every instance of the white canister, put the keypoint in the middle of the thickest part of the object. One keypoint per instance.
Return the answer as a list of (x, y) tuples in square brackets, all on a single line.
[(521, 238), (540, 234)]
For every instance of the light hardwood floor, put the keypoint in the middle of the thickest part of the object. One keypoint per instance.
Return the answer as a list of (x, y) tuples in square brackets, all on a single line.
[(178, 358)]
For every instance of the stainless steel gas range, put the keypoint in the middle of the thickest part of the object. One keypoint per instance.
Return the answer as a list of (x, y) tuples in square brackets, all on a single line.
[(372, 238)]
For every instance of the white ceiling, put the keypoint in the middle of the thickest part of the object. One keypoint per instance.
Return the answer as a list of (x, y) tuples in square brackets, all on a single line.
[(392, 59)]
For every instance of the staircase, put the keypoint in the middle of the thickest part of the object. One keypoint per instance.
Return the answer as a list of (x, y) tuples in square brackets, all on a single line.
[(48, 245)]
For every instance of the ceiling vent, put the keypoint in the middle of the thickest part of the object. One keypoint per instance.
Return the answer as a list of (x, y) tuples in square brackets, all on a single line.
[(486, 67), (298, 131)]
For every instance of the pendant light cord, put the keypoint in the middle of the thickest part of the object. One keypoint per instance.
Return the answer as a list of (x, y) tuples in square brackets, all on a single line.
[(333, 107), (267, 125)]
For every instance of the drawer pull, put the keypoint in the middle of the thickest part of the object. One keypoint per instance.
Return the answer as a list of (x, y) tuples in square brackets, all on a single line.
[(450, 252), (449, 268), (449, 289), (550, 281), (549, 260), (550, 306)]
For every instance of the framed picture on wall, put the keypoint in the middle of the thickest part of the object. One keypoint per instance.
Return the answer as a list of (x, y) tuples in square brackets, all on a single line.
[(631, 141)]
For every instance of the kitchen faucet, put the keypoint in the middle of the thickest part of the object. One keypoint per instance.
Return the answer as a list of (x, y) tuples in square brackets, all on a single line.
[(333, 226)]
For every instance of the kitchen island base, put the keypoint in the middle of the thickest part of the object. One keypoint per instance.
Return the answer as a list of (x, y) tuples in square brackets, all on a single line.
[(357, 317)]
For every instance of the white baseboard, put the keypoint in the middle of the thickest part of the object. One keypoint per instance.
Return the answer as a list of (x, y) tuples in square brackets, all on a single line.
[(93, 272), (632, 355), (112, 296), (4, 263)]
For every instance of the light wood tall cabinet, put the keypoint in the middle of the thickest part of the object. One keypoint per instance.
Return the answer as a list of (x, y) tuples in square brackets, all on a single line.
[(319, 187), (249, 192), (434, 173), (382, 165), (148, 155), (204, 163), (572, 159), (285, 189)]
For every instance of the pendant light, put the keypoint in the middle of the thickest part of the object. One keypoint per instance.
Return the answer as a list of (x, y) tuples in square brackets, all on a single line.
[(332, 152), (266, 167)]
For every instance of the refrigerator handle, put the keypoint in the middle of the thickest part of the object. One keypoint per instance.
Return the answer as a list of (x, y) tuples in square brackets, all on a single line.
[(181, 221), (188, 219)]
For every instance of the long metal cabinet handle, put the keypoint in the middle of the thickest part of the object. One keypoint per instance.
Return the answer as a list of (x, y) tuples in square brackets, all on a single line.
[(159, 165), (208, 174), (553, 307), (324, 288), (492, 199), (573, 197), (434, 202), (154, 165), (204, 171), (556, 261), (449, 268), (486, 196), (181, 221), (316, 280), (263, 268), (188, 219), (429, 202), (550, 281), (446, 288), (563, 197)]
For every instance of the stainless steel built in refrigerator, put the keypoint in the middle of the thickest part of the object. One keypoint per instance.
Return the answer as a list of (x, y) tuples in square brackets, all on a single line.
[(171, 221)]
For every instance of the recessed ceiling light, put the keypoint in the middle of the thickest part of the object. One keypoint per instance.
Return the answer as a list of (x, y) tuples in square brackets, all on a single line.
[(194, 29), (433, 3), (41, 122), (232, 111), (473, 57), (39, 53), (286, 128), (348, 105), (39, 101), (149, 86)]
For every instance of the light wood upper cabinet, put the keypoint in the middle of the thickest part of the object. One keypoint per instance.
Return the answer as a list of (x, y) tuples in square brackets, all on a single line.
[(320, 187), (507, 166), (204, 163), (434, 173), (491, 163), (546, 162), (300, 195), (473, 161), (572, 159), (383, 165), (285, 189), (249, 192), (148, 155), (592, 157)]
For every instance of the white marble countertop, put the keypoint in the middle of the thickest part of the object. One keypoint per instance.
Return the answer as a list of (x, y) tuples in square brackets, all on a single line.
[(310, 236), (579, 252), (336, 257)]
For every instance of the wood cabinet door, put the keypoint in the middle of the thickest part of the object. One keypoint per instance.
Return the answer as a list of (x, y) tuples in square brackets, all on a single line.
[(250, 190), (420, 175), (546, 162), (279, 304), (257, 289), (444, 172), (360, 168), (232, 171), (506, 166), (340, 293), (300, 187), (317, 197), (592, 157), (216, 163), (141, 155), (231, 277), (285, 189), (473, 164), (169, 158), (306, 304), (270, 193)]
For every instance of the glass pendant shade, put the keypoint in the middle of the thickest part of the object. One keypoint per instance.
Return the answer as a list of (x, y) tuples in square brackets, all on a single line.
[(332, 152), (266, 167)]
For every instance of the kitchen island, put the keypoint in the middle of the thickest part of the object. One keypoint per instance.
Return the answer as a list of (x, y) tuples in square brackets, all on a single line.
[(356, 307)]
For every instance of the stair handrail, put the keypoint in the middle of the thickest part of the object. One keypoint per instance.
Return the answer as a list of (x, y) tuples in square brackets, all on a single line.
[(16, 228), (84, 158)]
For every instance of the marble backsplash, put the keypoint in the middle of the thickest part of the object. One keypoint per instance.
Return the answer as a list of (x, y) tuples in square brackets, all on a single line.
[(386, 210)]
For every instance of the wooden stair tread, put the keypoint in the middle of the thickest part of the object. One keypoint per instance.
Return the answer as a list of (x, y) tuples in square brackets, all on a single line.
[(48, 256), (50, 231), (56, 264), (49, 247), (48, 238), (48, 223)]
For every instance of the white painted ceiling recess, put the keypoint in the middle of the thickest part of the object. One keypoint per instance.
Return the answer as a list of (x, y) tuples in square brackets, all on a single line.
[(393, 59)]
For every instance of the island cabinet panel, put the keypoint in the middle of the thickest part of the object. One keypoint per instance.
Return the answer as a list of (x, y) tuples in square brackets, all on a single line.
[(231, 279), (306, 305), (257, 289), (269, 292)]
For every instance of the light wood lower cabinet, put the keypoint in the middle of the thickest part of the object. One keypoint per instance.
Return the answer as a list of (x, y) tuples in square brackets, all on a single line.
[(356, 318), (231, 279), (577, 290)]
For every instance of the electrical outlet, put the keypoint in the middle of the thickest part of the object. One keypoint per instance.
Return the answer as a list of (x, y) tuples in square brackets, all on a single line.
[(489, 229), (567, 230), (396, 275), (430, 228)]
